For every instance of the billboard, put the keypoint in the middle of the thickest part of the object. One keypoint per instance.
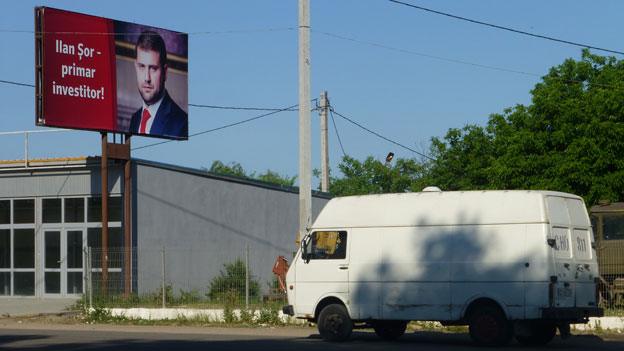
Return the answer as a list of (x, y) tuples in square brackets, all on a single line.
[(99, 74)]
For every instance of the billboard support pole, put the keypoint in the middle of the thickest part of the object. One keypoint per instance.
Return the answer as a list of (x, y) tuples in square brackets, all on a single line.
[(104, 176), (127, 220)]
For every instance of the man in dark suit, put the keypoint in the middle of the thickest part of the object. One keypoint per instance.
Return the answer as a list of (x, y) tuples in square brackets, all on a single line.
[(159, 115)]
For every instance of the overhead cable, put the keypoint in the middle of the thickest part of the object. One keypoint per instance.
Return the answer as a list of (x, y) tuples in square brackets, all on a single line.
[(236, 31), (435, 57), (193, 105), (331, 112), (506, 28), (462, 62), (383, 137), (222, 127)]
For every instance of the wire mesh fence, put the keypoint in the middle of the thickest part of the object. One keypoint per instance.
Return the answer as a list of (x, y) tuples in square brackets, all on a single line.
[(181, 278), (187, 278), (608, 226)]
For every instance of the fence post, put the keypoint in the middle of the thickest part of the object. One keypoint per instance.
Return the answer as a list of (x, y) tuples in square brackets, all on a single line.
[(247, 277), (90, 275), (164, 303)]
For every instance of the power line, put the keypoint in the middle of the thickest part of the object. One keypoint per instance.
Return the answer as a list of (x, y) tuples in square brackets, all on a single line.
[(222, 127), (238, 108), (382, 137), (462, 62), (435, 57), (331, 112), (236, 31), (506, 28), (194, 105), (17, 83)]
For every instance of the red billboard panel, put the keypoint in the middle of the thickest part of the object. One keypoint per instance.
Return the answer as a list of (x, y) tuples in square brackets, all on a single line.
[(98, 74)]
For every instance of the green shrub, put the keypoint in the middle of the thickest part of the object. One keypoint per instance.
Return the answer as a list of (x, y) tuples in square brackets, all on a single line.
[(269, 316), (229, 287)]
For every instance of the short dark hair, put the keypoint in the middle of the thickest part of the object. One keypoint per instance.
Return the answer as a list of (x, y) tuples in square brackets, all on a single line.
[(150, 40)]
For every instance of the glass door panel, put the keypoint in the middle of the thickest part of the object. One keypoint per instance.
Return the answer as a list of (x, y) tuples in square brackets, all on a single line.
[(74, 261), (53, 261)]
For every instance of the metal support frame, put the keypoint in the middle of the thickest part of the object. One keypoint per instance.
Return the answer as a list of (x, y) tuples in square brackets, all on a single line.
[(121, 152)]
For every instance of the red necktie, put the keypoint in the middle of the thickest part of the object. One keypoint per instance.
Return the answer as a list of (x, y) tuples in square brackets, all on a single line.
[(146, 116)]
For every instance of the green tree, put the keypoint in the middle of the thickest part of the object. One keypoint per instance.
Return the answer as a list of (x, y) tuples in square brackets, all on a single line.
[(275, 178), (233, 169), (237, 170), (375, 177), (570, 138)]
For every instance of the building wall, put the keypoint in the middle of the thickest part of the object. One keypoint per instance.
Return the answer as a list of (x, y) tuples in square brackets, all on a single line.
[(203, 222), (35, 186), (50, 183)]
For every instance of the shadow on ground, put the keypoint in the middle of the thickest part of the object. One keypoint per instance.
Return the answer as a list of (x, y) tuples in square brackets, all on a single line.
[(95, 340)]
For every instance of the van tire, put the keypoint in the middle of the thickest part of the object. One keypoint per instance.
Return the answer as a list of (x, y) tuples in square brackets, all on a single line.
[(539, 334), (334, 323), (389, 330), (489, 327)]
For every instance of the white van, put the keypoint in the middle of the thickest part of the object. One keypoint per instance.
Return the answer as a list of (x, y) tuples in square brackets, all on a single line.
[(501, 262)]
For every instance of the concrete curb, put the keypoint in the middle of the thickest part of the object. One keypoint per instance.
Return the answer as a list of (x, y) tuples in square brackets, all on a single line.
[(603, 323), (211, 315), (615, 324)]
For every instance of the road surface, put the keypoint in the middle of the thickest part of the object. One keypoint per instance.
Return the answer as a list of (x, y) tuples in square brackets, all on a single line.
[(48, 337)]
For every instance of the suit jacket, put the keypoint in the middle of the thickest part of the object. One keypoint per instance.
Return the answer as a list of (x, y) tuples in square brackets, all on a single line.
[(170, 120)]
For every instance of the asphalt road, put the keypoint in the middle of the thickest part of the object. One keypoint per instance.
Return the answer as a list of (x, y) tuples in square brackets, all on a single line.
[(81, 337)]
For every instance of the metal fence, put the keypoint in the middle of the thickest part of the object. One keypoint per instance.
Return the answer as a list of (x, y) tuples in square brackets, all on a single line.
[(611, 296), (180, 278), (608, 226), (186, 278)]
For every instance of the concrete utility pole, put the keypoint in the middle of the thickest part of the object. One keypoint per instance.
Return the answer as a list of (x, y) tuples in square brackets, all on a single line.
[(324, 107), (305, 188)]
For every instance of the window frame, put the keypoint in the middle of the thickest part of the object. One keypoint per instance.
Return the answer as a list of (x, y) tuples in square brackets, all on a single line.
[(309, 249)]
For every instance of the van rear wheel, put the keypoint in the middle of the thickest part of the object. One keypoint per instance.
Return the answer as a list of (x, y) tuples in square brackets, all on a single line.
[(539, 334), (389, 330), (489, 327), (334, 323)]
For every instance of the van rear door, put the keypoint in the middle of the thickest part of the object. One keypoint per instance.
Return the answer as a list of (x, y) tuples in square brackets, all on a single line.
[(573, 257)]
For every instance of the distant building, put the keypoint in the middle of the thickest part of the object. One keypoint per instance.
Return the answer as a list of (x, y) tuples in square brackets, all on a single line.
[(50, 213)]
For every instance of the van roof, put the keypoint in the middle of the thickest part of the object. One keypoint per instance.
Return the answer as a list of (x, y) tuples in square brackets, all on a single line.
[(437, 208)]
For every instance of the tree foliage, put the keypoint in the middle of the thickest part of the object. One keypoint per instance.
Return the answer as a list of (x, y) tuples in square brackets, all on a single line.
[(570, 138), (235, 169), (375, 177)]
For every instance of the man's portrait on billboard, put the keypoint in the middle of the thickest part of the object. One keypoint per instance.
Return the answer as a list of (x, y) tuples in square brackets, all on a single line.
[(152, 83), (159, 114)]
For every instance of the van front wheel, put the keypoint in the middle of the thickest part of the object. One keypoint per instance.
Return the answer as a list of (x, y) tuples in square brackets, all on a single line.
[(334, 323), (389, 330)]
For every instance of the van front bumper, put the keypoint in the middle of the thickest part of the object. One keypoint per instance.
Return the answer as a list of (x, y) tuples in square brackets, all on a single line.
[(288, 310), (579, 314)]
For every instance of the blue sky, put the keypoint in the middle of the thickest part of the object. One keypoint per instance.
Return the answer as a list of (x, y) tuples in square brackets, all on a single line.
[(249, 58)]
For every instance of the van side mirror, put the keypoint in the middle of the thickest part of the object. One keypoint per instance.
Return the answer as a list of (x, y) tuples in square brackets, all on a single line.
[(305, 245)]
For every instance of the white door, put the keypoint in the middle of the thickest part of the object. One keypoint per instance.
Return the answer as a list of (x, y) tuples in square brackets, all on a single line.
[(323, 270)]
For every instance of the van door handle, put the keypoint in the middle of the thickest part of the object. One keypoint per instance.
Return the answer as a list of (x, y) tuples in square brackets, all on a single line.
[(343, 267)]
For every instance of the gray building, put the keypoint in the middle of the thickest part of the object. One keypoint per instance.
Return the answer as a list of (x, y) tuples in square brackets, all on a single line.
[(50, 213)]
